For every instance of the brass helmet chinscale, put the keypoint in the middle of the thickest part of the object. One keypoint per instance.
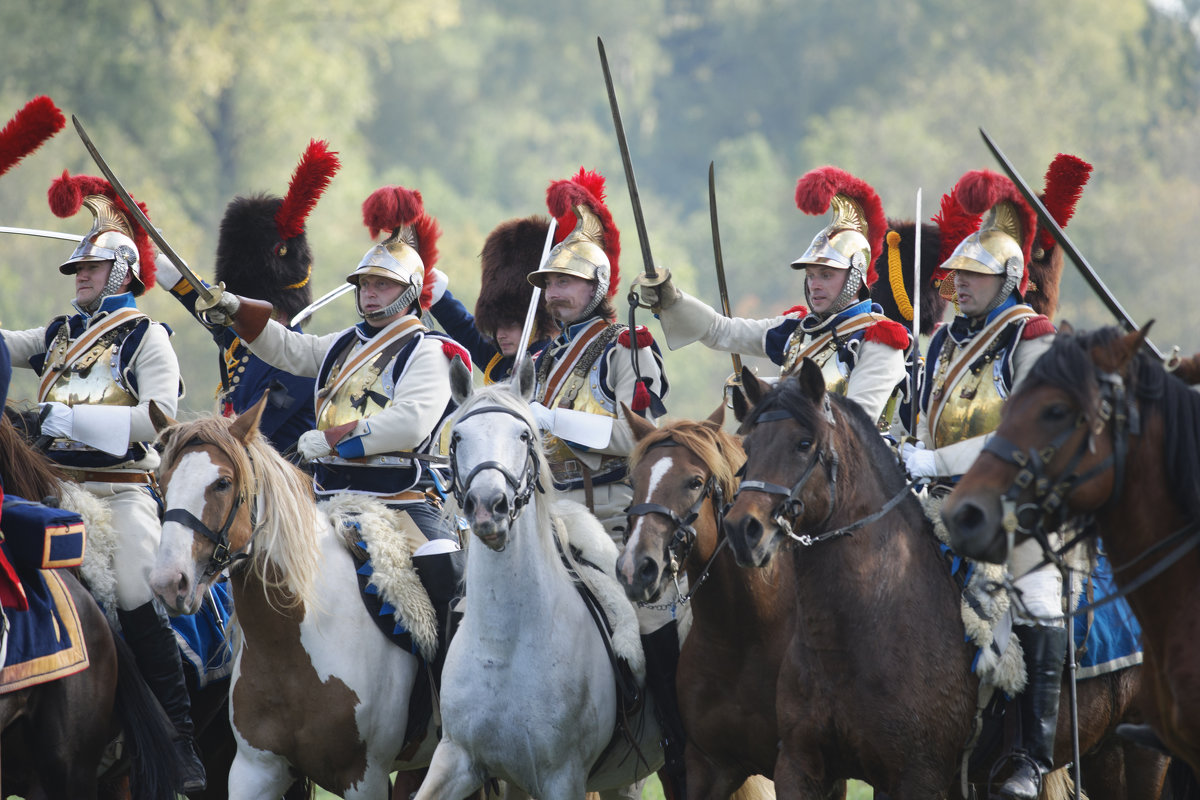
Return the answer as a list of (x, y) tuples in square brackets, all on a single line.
[(592, 247), (406, 256), (113, 237), (853, 240)]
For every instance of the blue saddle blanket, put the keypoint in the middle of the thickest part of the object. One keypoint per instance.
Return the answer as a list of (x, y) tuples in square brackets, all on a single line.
[(45, 643), (1113, 639), (203, 645)]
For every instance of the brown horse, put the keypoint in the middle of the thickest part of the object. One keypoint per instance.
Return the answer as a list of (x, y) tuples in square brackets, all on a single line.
[(741, 621), (1100, 429), (55, 734), (877, 682)]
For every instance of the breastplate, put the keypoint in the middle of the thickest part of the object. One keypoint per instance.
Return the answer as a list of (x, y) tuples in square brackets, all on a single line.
[(837, 376), (972, 408), (577, 394), (365, 393), (94, 379)]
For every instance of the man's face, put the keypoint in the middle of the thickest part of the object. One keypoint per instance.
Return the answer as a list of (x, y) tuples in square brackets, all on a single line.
[(975, 291), (508, 338), (567, 296), (824, 286), (376, 293), (90, 280)]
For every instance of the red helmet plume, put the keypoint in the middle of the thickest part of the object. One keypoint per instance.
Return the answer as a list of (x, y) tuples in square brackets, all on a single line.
[(815, 193), (402, 212), (66, 197), (586, 189), (33, 125), (1065, 179)]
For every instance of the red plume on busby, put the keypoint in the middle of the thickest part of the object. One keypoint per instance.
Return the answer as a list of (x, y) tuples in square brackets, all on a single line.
[(981, 189), (816, 189), (893, 292), (35, 123), (1065, 179), (510, 253), (586, 189), (393, 207), (262, 249), (66, 198)]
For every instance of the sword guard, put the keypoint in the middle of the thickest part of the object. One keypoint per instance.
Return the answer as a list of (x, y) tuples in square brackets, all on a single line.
[(208, 303)]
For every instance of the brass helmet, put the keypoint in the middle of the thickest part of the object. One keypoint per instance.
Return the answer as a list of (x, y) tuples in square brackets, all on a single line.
[(407, 255), (592, 247), (853, 240), (113, 237), (1004, 242)]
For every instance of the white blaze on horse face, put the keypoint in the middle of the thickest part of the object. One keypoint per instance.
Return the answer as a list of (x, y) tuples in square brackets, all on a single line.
[(657, 473), (193, 475)]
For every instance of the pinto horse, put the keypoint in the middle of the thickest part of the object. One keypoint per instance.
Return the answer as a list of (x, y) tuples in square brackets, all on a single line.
[(877, 681), (316, 689), (1098, 428), (55, 734), (741, 621)]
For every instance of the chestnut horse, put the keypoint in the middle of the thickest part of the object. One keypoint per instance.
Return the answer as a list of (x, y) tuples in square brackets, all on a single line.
[(741, 621), (1100, 429), (877, 682)]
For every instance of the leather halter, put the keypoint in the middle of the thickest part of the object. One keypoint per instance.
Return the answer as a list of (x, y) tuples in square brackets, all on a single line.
[(221, 556), (522, 486)]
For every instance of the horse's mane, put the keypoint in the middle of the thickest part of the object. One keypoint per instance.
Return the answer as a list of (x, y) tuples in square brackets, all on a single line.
[(722, 452), (285, 554), (1068, 366), (24, 471)]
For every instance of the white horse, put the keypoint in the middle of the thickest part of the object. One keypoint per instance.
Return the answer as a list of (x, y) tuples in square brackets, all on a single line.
[(528, 691), (317, 689)]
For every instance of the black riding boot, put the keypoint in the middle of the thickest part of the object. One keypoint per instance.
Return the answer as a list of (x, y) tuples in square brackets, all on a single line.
[(662, 657), (442, 575), (156, 652), (1045, 652)]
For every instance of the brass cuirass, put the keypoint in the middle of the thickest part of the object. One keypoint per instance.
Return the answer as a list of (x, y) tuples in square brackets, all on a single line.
[(837, 376), (971, 409), (362, 395), (94, 379), (577, 394)]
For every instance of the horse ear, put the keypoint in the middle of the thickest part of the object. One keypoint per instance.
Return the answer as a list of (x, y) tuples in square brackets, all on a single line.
[(639, 425), (753, 387), (460, 381), (247, 422), (717, 418), (525, 379), (1066, 327), (159, 418), (1118, 355), (741, 405), (812, 382)]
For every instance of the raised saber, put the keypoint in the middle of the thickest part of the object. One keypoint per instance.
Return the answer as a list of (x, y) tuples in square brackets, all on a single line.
[(535, 298), (719, 260), (319, 303), (630, 179), (66, 237), (916, 318), (208, 297), (1061, 237)]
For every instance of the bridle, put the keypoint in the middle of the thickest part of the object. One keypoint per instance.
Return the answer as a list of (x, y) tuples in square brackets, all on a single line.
[(221, 557), (683, 537), (523, 486)]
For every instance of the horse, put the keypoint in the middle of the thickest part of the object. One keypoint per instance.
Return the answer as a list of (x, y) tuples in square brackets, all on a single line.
[(528, 690), (741, 622), (875, 601), (1098, 428), (56, 734), (316, 689)]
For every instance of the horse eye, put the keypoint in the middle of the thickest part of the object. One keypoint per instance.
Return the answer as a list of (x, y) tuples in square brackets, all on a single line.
[(804, 445), (223, 484), (695, 483), (1056, 413), (526, 436)]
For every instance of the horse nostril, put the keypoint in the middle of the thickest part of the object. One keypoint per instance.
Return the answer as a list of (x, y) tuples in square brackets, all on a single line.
[(968, 517), (647, 572), (469, 506), (753, 530), (500, 506)]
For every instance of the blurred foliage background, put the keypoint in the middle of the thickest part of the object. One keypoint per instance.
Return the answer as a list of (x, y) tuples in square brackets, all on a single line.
[(480, 104)]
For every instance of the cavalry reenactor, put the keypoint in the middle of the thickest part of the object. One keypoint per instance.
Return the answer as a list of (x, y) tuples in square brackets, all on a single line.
[(263, 253), (383, 385), (860, 351), (493, 333), (972, 365), (100, 369)]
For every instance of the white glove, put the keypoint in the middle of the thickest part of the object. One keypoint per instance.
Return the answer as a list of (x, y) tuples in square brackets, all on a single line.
[(660, 296), (543, 416), (312, 444), (59, 422), (224, 312), (165, 273), (441, 282), (919, 462)]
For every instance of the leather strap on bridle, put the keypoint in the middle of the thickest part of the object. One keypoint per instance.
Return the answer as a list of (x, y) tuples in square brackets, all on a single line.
[(522, 486)]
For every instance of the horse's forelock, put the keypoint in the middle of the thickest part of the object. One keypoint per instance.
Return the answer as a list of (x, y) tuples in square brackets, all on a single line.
[(1067, 366), (720, 451)]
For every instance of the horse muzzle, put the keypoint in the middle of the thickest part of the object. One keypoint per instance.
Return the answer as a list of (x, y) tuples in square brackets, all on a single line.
[(488, 510), (752, 540), (975, 524), (177, 592), (641, 576)]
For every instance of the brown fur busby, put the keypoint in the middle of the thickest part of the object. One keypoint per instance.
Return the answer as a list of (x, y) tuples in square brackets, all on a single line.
[(510, 253), (262, 250), (894, 290), (1065, 179), (36, 122)]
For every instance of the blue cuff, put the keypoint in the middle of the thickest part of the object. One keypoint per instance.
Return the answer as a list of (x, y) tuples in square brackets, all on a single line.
[(351, 448)]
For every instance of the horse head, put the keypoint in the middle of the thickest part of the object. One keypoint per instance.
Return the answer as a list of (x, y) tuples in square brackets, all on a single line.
[(788, 434), (1049, 458), (680, 475), (495, 452)]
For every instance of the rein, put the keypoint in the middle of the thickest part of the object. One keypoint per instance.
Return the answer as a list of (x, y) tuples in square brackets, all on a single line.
[(522, 486)]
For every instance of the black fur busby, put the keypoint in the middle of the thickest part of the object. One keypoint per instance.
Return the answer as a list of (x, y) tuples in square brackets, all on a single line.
[(262, 250), (510, 253), (885, 291)]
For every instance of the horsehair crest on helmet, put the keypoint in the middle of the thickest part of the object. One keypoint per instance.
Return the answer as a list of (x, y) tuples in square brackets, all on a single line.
[(955, 224), (586, 189), (391, 208), (1065, 179), (816, 189), (981, 190), (316, 169), (28, 130), (66, 198)]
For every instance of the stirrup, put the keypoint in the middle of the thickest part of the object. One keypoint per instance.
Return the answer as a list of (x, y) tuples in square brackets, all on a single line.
[(1018, 758)]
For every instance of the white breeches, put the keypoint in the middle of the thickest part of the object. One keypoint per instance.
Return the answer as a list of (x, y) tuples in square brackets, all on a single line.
[(138, 532), (1041, 590)]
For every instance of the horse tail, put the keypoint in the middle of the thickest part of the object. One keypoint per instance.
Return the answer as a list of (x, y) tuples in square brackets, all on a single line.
[(149, 733), (1181, 783), (756, 787), (1057, 785)]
